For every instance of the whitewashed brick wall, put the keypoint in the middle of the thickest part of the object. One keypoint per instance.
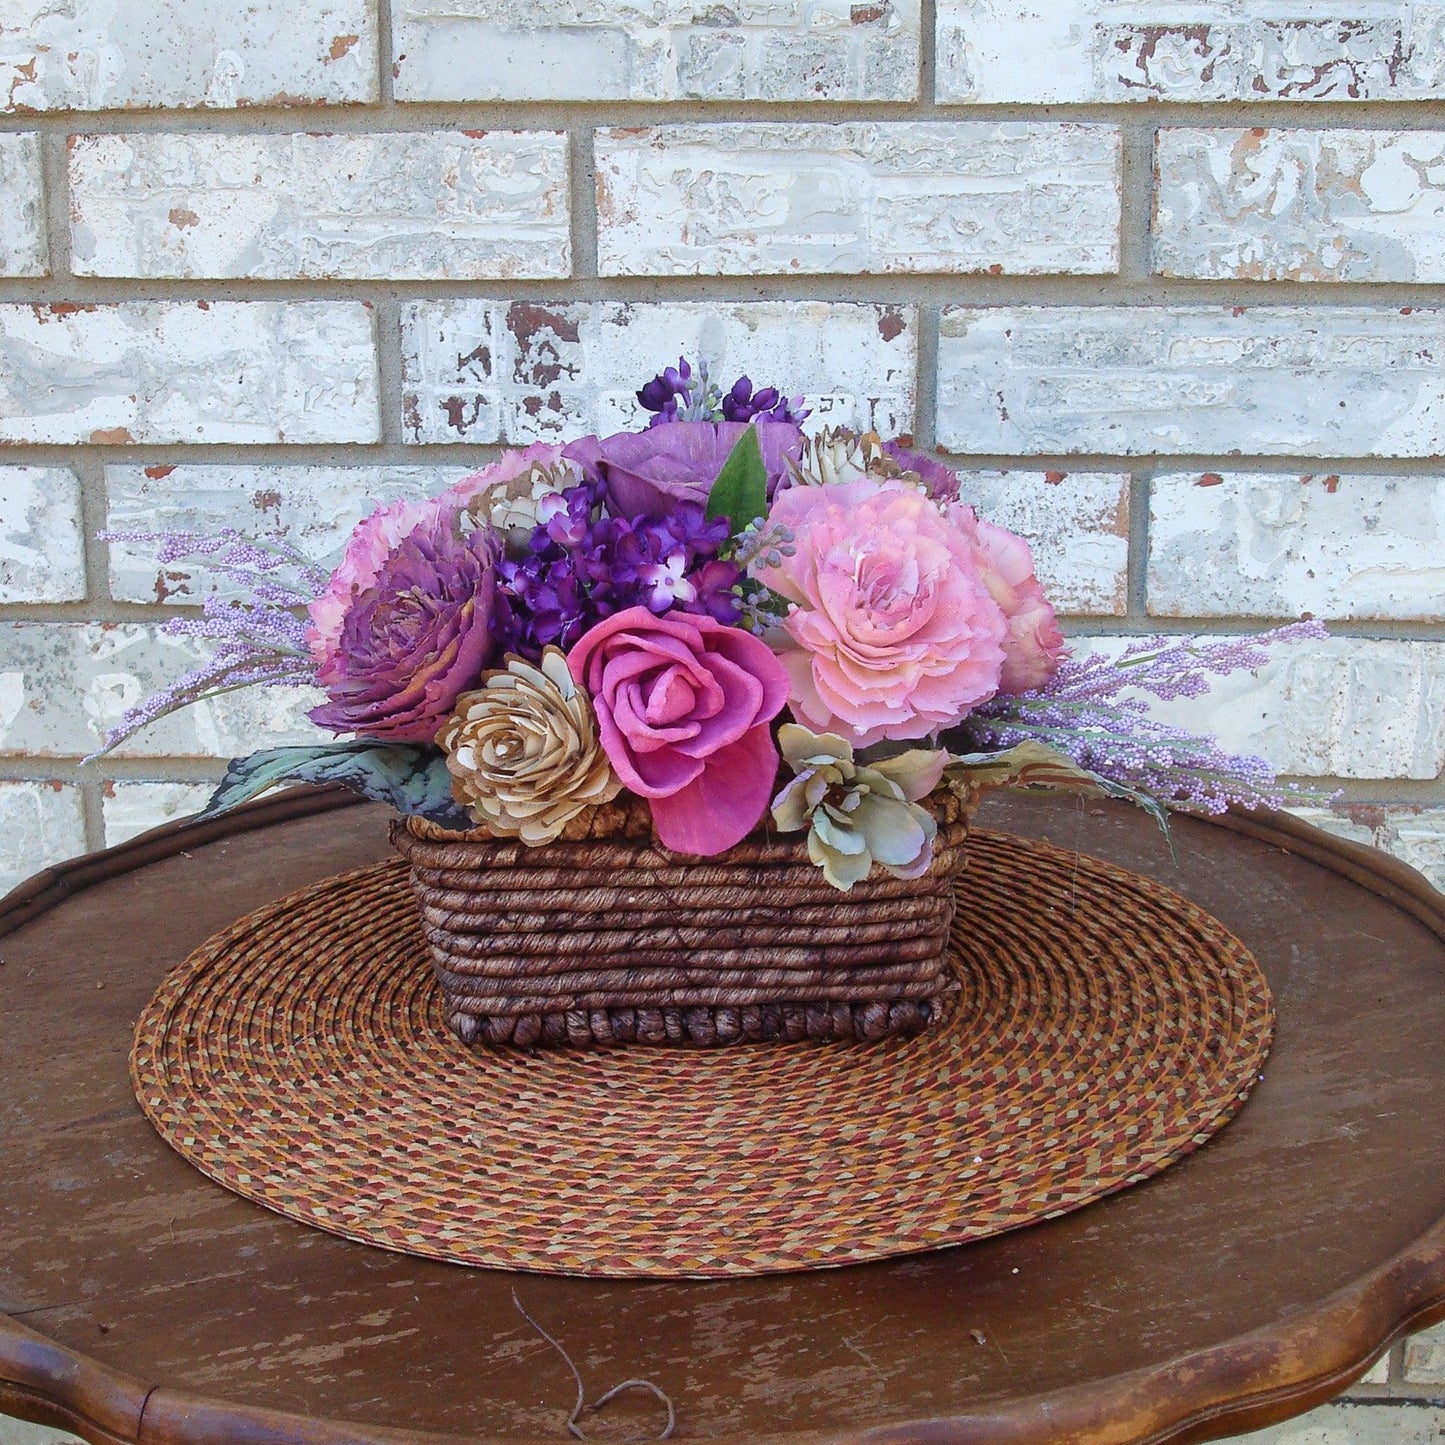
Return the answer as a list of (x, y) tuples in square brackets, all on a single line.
[(263, 265)]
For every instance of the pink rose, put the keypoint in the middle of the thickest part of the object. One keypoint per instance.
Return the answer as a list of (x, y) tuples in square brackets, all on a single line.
[(683, 705), (894, 634), (1033, 644)]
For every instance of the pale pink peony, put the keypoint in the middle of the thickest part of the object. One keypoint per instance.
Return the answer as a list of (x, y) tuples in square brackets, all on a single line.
[(894, 634), (1033, 646), (683, 706)]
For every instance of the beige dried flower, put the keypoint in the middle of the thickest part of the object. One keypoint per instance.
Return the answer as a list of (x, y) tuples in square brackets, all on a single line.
[(523, 751), (837, 454)]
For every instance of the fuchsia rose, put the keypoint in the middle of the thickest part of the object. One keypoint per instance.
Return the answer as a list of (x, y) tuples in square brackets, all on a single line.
[(648, 473), (894, 634), (683, 706), (403, 629), (1033, 645)]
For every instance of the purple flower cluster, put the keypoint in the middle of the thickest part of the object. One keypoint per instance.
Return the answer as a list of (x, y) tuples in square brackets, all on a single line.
[(742, 403), (583, 565), (1091, 711), (675, 394)]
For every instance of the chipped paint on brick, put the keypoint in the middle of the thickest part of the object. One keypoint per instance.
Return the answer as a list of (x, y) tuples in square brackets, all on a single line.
[(23, 247), (42, 548), (1300, 205), (176, 371), (131, 808), (183, 53), (41, 824), (1140, 380), (1264, 545), (485, 371), (433, 205), (1097, 51), (1011, 197), (633, 50)]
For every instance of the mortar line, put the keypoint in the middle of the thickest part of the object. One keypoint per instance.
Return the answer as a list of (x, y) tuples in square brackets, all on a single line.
[(55, 184), (1136, 203), (391, 115), (582, 188), (385, 57), (90, 469), (386, 317), (926, 417), (1137, 577), (928, 56), (1060, 290)]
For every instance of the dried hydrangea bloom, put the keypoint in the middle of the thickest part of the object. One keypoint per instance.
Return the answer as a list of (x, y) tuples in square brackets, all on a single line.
[(858, 814), (523, 751)]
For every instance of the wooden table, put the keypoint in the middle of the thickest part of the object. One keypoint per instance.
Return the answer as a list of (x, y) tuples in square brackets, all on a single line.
[(140, 1302)]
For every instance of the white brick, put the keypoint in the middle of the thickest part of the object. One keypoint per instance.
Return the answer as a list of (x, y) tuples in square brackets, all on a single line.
[(313, 508), (23, 248), (1378, 1373), (1134, 380), (644, 51), (1425, 1355), (435, 205), (1414, 835), (1248, 544), (1067, 51), (1076, 524), (42, 549), (99, 55), (1417, 836), (487, 371), (129, 809), (1344, 1424), (40, 824), (1296, 205), (181, 371), (741, 200), (63, 685), (1342, 707)]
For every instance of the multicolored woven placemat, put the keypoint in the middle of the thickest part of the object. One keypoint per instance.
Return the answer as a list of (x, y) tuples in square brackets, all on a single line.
[(1104, 1028)]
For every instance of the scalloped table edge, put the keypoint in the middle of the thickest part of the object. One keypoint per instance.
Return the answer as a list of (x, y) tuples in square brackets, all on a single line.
[(1258, 1379)]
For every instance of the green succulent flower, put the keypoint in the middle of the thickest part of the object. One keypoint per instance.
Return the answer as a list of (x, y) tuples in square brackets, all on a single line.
[(858, 814)]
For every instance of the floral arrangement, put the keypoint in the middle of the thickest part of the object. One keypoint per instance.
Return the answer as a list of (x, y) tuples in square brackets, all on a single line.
[(742, 623)]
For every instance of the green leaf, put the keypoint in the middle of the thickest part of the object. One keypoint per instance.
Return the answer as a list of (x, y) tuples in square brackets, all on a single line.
[(412, 777), (741, 491)]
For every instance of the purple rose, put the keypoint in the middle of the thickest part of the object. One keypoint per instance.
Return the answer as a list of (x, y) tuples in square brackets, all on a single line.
[(648, 473), (405, 627)]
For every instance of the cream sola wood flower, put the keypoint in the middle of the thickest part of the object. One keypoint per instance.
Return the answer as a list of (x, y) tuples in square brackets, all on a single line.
[(523, 751), (858, 814)]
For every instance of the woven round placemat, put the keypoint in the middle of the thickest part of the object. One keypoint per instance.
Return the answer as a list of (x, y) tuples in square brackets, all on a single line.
[(1104, 1028)]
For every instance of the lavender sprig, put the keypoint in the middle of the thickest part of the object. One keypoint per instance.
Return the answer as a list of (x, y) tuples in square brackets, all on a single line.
[(1091, 712), (261, 641)]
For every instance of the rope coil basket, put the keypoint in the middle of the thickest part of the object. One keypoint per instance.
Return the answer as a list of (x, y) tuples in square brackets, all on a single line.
[(605, 938)]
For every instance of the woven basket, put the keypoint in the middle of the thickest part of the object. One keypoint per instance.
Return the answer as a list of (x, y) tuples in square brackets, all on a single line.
[(605, 937)]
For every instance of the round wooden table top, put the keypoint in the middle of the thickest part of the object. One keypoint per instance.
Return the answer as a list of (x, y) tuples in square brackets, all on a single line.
[(141, 1302)]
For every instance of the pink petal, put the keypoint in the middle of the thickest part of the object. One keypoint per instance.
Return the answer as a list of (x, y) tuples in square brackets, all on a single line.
[(722, 805)]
